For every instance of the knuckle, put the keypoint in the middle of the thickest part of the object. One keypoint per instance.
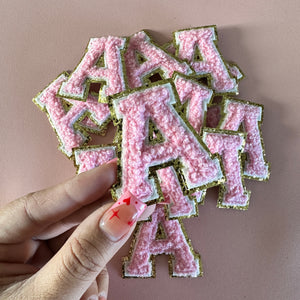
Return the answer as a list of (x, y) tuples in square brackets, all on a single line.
[(68, 188), (28, 202), (83, 260), (104, 272), (104, 275)]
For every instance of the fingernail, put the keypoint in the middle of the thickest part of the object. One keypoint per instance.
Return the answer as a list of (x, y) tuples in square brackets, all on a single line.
[(118, 220), (93, 297), (102, 296), (112, 161)]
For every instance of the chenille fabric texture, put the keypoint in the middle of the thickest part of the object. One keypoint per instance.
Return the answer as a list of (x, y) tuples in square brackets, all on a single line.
[(179, 130)]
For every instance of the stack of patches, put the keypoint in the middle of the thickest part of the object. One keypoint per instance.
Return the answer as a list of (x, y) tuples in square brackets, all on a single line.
[(179, 132)]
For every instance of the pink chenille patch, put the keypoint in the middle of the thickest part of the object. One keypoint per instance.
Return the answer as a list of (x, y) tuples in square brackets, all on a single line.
[(89, 158), (61, 121), (228, 147), (99, 112), (192, 140), (156, 59), (111, 73), (198, 97), (199, 195), (184, 263), (64, 122), (249, 115), (233, 69), (90, 125), (155, 103), (211, 61), (179, 204)]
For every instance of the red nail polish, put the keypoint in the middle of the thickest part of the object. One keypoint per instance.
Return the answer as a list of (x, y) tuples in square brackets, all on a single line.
[(118, 220)]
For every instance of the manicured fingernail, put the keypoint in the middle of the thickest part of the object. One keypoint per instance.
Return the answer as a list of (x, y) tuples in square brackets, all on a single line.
[(93, 297), (112, 160), (118, 220), (102, 296)]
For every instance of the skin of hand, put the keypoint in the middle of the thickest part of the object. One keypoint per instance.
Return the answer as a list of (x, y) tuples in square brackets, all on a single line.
[(52, 245)]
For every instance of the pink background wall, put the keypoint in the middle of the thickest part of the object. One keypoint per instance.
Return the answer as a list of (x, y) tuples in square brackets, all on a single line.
[(245, 255)]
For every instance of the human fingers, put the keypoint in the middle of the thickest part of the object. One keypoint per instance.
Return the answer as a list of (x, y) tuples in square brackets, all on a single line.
[(72, 270), (147, 213), (56, 243), (78, 216), (72, 220), (48, 248), (18, 253), (15, 269), (103, 283), (91, 293), (29, 215)]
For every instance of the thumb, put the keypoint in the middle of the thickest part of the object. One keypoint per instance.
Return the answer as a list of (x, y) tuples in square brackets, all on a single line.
[(72, 270)]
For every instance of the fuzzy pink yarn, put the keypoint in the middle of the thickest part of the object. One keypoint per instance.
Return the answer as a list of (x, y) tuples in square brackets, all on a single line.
[(184, 263), (142, 58), (63, 122), (136, 109), (75, 87), (89, 125), (232, 68), (156, 59), (99, 112), (211, 63), (199, 196), (235, 71), (250, 116), (90, 158), (179, 204), (228, 147), (198, 97)]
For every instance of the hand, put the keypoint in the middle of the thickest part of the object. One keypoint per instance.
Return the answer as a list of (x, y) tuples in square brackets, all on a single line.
[(45, 255)]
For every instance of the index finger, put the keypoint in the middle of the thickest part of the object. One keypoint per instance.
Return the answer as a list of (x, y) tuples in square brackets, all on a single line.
[(29, 215)]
